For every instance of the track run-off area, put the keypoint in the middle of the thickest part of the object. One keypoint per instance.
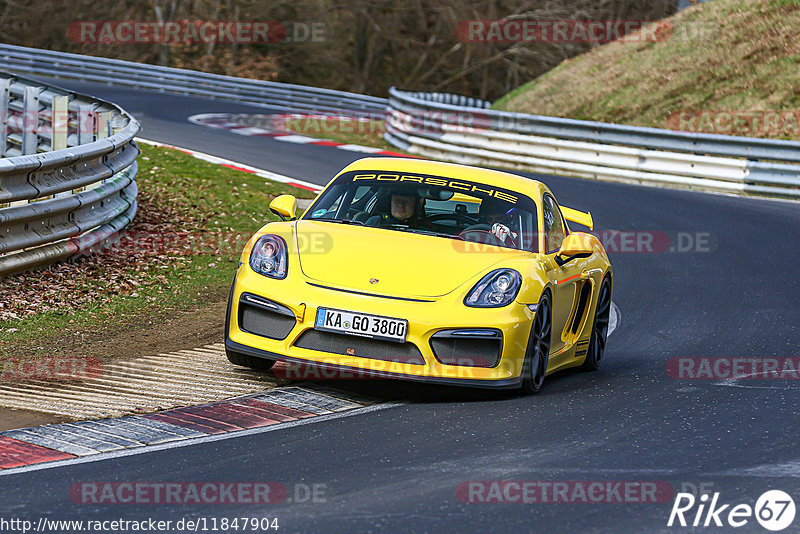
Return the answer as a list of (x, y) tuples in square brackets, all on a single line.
[(724, 287)]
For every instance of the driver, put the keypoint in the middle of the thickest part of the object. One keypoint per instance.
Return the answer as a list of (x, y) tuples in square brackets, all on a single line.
[(496, 214), (406, 208)]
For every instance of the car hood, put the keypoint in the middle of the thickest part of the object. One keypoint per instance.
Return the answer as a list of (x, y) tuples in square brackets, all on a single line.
[(404, 264)]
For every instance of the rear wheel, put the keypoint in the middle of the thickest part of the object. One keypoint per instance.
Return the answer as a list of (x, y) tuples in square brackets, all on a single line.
[(535, 364), (597, 343), (258, 364)]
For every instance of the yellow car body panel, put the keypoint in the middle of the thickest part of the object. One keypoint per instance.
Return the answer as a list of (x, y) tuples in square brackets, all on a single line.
[(423, 279)]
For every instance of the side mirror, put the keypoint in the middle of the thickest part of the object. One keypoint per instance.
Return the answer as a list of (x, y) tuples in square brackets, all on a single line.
[(284, 206), (576, 245)]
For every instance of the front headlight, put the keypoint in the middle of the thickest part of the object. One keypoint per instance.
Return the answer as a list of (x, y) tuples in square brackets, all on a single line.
[(269, 257), (495, 290)]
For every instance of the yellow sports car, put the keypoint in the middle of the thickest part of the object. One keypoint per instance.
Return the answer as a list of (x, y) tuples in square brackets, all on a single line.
[(420, 270)]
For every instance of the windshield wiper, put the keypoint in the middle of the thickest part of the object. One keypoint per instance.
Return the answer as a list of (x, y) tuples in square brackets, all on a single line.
[(436, 234), (341, 221)]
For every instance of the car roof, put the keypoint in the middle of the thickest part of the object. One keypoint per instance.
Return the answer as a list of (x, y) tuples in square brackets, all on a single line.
[(505, 180)]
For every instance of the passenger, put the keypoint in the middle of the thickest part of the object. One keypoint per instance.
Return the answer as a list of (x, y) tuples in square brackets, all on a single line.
[(498, 215)]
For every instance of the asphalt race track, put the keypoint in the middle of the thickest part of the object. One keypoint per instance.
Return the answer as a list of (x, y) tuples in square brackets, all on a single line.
[(398, 469), (163, 118)]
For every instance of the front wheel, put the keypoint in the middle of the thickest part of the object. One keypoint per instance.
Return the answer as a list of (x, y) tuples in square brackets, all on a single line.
[(251, 362), (534, 366), (597, 343)]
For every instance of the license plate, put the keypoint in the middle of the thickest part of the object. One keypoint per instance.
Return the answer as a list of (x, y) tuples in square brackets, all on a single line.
[(361, 324)]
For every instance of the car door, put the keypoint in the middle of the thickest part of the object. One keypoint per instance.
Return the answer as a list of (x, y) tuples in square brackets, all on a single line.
[(563, 278)]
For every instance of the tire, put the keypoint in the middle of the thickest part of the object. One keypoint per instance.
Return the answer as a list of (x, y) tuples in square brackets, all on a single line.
[(597, 343), (537, 354), (251, 362)]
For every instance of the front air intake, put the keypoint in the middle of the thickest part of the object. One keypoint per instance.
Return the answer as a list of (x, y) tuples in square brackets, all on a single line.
[(360, 347), (265, 318), (468, 348)]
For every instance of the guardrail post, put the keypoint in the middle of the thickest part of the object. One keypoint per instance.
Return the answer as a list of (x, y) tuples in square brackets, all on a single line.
[(59, 126), (30, 120), (59, 122), (103, 126), (85, 124), (117, 124), (5, 84), (30, 127)]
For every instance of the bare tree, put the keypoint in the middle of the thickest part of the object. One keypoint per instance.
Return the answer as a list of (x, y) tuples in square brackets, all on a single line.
[(369, 45)]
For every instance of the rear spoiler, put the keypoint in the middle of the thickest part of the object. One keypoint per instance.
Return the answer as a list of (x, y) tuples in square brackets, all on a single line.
[(579, 217)]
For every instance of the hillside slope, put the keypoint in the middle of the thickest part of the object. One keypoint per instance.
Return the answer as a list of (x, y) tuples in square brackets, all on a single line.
[(720, 65)]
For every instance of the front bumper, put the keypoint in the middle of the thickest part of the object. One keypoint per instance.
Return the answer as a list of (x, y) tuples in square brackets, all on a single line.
[(425, 318)]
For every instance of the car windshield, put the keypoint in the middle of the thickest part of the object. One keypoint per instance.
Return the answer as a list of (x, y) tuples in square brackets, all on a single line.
[(433, 205)]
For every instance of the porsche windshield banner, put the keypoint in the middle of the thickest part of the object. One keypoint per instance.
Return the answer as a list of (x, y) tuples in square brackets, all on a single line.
[(457, 186)]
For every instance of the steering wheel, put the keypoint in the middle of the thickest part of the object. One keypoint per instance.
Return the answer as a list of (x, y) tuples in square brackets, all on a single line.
[(349, 213), (458, 217)]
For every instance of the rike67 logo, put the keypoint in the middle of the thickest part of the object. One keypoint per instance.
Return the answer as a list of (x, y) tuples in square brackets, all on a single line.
[(774, 510)]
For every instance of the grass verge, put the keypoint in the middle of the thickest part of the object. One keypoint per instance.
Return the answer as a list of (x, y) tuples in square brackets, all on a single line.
[(713, 62)]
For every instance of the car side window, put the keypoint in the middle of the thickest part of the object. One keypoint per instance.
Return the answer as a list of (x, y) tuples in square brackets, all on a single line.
[(553, 225)]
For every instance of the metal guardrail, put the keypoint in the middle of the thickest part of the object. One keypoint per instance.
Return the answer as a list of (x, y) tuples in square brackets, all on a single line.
[(435, 125), (67, 173), (188, 82)]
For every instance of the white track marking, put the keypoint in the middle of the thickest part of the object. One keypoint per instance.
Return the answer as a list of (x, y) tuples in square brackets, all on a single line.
[(203, 119), (734, 382), (269, 175), (299, 139), (223, 121), (195, 441), (790, 469), (249, 131), (359, 148), (731, 382)]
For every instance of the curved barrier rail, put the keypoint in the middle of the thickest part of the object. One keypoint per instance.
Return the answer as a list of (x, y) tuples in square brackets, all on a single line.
[(437, 126), (67, 173), (188, 82)]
